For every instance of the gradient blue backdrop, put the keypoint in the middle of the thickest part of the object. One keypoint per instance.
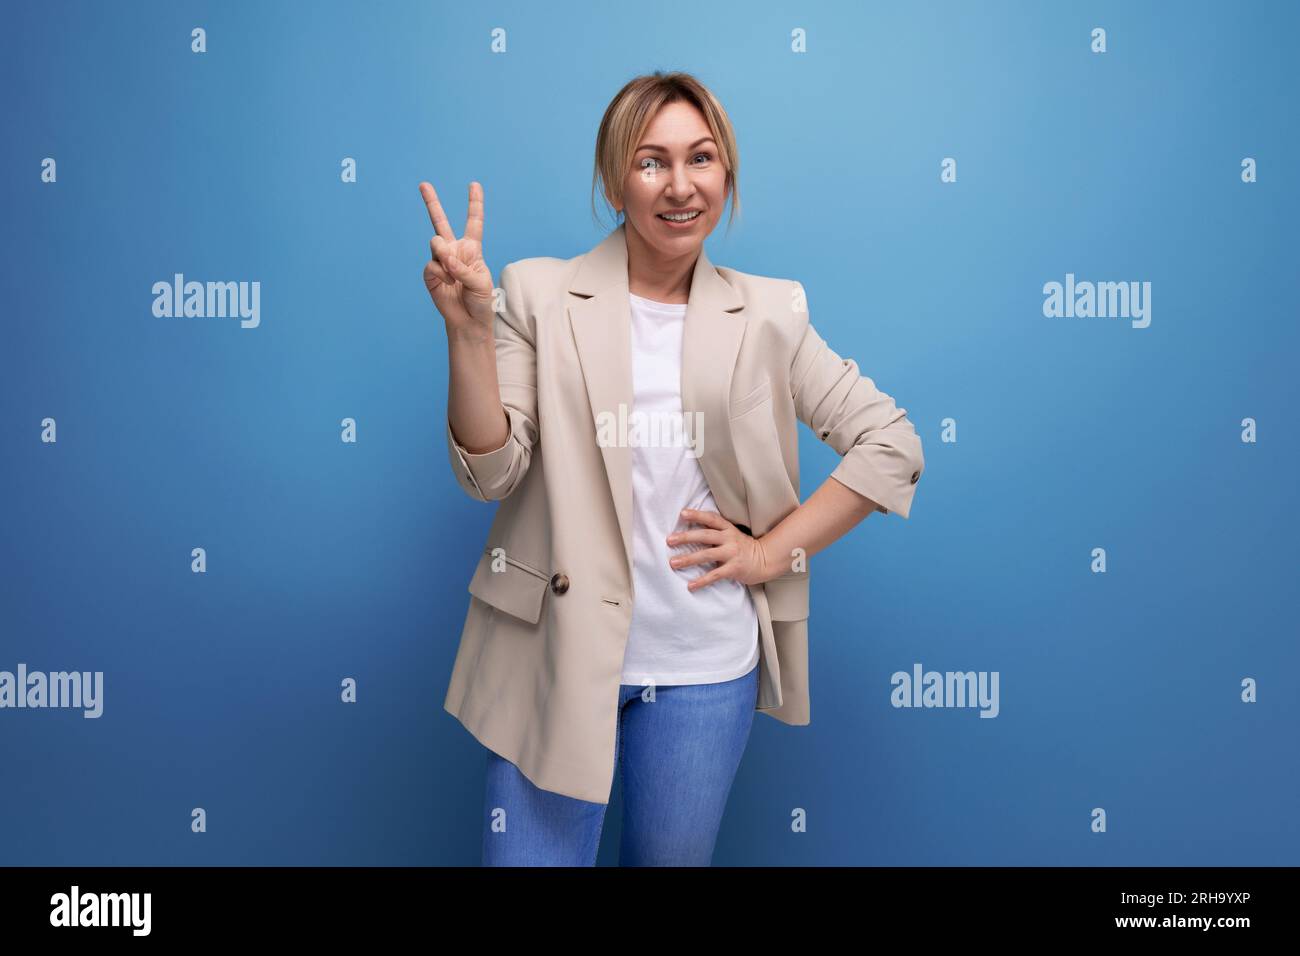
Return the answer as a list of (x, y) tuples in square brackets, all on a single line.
[(328, 560)]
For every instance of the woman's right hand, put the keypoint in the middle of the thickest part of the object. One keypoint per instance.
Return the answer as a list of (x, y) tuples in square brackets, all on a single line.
[(456, 276)]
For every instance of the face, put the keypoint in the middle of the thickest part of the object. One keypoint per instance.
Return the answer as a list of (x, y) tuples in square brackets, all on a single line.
[(675, 169)]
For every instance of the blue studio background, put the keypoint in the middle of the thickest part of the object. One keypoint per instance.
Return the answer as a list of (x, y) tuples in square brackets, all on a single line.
[(1120, 690)]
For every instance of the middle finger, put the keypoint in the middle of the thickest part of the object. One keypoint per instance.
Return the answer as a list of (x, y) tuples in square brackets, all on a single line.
[(702, 535), (439, 218)]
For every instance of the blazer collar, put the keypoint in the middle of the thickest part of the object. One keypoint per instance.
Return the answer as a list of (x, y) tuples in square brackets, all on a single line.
[(606, 265), (601, 320)]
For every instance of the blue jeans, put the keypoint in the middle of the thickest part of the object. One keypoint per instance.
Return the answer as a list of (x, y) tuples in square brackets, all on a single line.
[(678, 756)]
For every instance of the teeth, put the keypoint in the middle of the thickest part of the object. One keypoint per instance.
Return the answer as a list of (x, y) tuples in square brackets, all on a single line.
[(678, 217)]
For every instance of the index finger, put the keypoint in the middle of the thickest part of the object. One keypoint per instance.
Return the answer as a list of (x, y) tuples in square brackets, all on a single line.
[(439, 218), (474, 218), (710, 519)]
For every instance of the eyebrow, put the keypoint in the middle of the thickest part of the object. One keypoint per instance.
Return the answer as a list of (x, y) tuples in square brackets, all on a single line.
[(706, 139)]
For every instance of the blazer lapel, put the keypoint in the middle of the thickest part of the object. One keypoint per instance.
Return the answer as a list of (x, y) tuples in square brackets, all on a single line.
[(714, 327)]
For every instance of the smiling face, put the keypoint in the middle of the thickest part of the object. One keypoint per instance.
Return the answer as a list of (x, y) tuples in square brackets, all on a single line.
[(676, 172)]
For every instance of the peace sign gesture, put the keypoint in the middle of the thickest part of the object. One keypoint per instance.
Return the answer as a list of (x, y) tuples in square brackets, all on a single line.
[(456, 276)]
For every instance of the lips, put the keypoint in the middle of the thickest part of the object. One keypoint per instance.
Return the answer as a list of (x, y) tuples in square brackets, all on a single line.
[(693, 214)]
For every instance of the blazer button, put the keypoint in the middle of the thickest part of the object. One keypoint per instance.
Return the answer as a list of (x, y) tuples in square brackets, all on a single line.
[(915, 475), (559, 583)]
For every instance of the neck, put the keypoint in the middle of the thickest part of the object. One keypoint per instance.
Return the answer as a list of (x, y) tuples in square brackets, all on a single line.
[(651, 275)]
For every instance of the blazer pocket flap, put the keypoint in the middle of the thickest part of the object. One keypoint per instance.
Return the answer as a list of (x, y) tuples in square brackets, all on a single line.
[(751, 399), (517, 589), (787, 596)]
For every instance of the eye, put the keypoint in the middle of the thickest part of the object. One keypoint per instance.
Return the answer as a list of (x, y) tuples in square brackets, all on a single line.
[(648, 159), (706, 156)]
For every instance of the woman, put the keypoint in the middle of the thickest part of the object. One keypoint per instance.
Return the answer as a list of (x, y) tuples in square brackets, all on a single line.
[(639, 596)]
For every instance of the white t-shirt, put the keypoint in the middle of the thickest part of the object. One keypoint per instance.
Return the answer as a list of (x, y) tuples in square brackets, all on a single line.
[(677, 636)]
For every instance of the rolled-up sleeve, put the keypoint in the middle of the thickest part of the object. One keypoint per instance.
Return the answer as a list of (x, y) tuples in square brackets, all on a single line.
[(880, 450), (492, 475)]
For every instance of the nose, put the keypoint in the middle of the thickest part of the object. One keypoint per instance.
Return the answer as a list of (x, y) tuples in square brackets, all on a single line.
[(680, 184)]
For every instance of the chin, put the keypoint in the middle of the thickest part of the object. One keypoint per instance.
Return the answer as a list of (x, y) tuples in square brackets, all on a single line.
[(665, 239), (681, 246)]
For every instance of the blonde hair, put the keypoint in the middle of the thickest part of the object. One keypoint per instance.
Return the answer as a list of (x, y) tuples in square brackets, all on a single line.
[(629, 114)]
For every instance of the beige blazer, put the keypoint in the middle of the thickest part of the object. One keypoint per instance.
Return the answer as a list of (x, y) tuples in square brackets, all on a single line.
[(536, 677)]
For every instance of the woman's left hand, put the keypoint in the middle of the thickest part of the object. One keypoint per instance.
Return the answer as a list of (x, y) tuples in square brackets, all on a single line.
[(739, 556)]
